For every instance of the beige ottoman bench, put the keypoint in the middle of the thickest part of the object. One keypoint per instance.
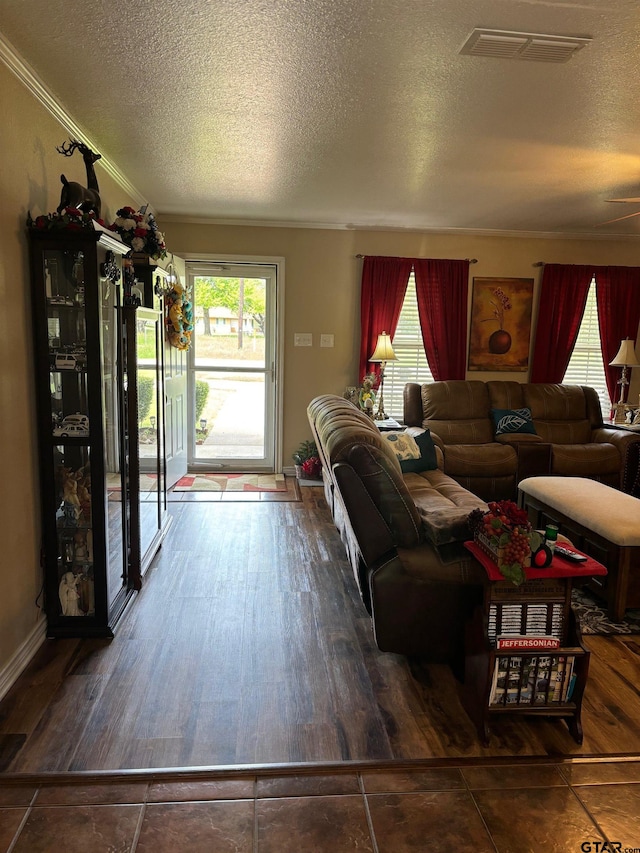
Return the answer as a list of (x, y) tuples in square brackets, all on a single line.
[(600, 521)]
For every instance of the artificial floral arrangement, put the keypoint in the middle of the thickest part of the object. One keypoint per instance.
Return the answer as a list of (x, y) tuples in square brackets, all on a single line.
[(307, 461), (505, 534), (70, 219), (179, 317), (366, 394), (139, 230)]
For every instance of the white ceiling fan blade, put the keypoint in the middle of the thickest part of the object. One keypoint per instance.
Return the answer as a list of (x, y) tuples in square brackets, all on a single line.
[(619, 219), (624, 200)]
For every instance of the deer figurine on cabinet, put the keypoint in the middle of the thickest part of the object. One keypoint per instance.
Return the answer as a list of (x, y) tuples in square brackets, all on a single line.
[(74, 194)]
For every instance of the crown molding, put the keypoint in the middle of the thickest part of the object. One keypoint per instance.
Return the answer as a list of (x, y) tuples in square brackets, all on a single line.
[(31, 81), (189, 219)]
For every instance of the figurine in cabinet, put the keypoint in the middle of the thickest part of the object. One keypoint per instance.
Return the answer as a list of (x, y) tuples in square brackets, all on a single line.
[(69, 595), (80, 550)]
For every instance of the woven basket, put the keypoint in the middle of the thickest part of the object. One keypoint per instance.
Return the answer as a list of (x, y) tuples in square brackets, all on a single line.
[(496, 553)]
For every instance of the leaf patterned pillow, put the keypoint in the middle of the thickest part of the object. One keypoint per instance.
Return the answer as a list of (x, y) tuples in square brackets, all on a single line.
[(513, 420), (415, 450), (404, 445)]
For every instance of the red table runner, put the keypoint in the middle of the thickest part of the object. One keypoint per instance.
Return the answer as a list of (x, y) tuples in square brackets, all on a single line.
[(559, 567)]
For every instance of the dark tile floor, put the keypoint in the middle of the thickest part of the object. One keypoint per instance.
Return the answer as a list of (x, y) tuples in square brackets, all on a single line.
[(526, 805)]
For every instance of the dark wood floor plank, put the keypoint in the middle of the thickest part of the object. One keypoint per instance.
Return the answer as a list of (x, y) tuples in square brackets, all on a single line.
[(249, 644)]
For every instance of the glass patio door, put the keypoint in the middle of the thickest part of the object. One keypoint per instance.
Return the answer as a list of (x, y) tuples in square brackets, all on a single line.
[(232, 367)]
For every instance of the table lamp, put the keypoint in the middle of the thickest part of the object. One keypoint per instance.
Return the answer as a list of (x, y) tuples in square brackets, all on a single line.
[(624, 358), (382, 354)]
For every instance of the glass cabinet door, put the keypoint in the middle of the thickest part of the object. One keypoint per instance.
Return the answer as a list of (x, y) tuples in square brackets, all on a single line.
[(64, 280), (83, 443), (115, 455)]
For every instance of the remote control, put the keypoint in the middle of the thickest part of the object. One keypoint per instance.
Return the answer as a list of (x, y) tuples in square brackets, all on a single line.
[(569, 555)]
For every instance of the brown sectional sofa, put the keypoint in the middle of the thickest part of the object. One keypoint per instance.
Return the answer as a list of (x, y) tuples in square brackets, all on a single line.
[(570, 437), (403, 534)]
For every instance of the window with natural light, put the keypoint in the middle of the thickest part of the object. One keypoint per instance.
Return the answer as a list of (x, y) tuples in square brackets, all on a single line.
[(412, 364), (586, 366)]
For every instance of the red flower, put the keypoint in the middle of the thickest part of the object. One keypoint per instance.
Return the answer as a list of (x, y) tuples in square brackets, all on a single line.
[(140, 232), (73, 211), (41, 222)]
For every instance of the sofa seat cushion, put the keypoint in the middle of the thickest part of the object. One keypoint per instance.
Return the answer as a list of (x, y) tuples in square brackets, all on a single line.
[(487, 460), (584, 460), (515, 438), (443, 505)]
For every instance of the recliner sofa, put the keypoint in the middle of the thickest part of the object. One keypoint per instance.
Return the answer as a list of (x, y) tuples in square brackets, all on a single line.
[(402, 532), (570, 437)]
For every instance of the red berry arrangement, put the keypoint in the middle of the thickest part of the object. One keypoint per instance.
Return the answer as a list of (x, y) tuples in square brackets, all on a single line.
[(312, 468), (506, 527)]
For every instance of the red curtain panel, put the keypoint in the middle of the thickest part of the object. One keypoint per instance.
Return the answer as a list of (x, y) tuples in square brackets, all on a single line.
[(563, 296), (618, 299), (442, 288), (384, 284)]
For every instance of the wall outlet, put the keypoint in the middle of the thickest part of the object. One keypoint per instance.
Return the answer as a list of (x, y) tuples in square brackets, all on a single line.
[(326, 340), (303, 339)]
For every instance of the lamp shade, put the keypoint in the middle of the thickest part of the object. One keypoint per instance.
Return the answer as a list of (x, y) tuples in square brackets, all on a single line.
[(384, 350), (626, 355)]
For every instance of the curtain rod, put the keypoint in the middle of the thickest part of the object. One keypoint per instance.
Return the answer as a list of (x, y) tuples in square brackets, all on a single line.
[(471, 260)]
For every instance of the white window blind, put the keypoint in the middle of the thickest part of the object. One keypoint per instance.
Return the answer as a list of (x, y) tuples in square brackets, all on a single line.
[(412, 364), (586, 366)]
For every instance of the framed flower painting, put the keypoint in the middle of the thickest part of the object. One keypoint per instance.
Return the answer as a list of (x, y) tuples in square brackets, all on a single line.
[(500, 324)]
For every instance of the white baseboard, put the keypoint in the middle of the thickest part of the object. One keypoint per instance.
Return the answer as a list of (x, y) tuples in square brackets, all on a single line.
[(10, 673)]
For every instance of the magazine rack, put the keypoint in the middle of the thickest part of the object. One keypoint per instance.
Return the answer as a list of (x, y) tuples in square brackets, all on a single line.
[(523, 649)]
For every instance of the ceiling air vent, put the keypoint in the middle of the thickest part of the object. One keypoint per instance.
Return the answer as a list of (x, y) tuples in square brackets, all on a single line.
[(504, 44)]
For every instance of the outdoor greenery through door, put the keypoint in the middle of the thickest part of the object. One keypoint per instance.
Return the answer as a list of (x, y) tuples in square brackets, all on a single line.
[(232, 366)]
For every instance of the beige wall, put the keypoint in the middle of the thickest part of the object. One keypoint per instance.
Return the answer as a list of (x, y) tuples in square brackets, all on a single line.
[(29, 180), (323, 289), (322, 296)]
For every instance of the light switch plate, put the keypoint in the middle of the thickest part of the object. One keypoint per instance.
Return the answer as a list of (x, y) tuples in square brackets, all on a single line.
[(326, 340), (302, 339)]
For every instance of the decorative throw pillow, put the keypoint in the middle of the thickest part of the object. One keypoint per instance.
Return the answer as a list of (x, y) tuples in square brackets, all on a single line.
[(404, 445), (513, 420), (415, 452)]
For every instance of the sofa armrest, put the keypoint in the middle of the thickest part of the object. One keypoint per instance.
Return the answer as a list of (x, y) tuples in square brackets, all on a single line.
[(611, 435), (623, 441)]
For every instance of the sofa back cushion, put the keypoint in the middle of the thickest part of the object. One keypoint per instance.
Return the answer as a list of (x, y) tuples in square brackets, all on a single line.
[(387, 490), (457, 411), (505, 394), (559, 412)]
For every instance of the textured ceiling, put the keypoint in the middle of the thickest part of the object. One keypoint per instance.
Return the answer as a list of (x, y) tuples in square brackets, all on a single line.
[(351, 112)]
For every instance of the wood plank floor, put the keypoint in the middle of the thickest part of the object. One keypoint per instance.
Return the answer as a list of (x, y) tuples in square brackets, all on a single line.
[(249, 645)]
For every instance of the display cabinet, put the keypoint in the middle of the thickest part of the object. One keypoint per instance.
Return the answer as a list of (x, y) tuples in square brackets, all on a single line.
[(83, 436)]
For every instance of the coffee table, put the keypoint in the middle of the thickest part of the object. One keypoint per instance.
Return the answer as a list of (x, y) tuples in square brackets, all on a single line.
[(599, 520)]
